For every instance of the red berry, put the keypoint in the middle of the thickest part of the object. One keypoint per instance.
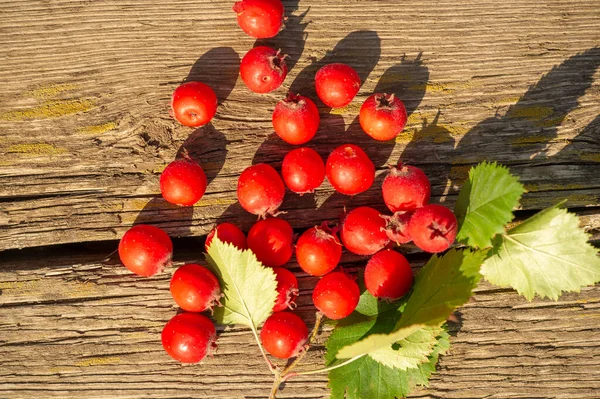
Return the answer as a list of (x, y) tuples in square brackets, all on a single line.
[(229, 233), (271, 240), (194, 288), (303, 170), (318, 250), (259, 18), (336, 295), (189, 337), (287, 289), (363, 231), (145, 250), (433, 228), (349, 170), (406, 188), (337, 84), (194, 104), (397, 227), (263, 69), (183, 182), (388, 275), (260, 190), (283, 335), (296, 119), (382, 116)]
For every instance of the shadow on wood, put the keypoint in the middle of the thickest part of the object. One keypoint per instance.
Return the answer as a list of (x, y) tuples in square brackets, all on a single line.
[(219, 68)]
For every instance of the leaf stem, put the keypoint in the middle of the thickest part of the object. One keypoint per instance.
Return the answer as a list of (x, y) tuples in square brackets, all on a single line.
[(272, 369), (326, 369)]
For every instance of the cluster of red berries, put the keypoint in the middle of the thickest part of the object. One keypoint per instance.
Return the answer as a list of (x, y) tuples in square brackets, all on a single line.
[(146, 250)]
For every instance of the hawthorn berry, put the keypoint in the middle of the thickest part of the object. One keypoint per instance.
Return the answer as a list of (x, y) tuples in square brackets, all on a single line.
[(189, 337), (397, 226), (405, 188), (260, 190), (336, 295), (284, 335), (433, 228), (145, 250), (296, 119), (349, 169), (303, 170), (194, 104), (337, 84), (318, 250), (263, 69), (259, 18), (229, 233), (183, 182), (382, 116), (287, 289), (194, 288), (271, 240), (364, 231), (388, 275)]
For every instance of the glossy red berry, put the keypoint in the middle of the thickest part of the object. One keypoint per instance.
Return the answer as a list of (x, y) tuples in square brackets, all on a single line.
[(259, 18), (382, 116), (145, 250), (194, 104), (303, 170), (271, 240), (337, 84), (260, 190), (405, 188), (388, 275), (183, 182), (433, 228), (283, 335), (318, 250), (189, 337), (336, 295), (296, 119), (194, 288), (363, 231), (397, 227), (349, 170), (229, 233), (263, 69), (287, 289)]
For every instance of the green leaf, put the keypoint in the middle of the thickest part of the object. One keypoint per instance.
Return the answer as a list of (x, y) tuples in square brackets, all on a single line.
[(545, 255), (409, 352), (249, 288), (485, 204)]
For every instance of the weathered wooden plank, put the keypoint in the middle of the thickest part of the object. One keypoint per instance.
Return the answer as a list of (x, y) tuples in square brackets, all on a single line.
[(84, 128), (72, 326)]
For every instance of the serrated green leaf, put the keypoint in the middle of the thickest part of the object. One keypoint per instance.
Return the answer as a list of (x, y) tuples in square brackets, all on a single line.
[(545, 255), (249, 288), (485, 204), (409, 352)]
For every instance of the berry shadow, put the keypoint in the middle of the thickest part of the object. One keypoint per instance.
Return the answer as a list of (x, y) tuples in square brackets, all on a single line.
[(219, 68)]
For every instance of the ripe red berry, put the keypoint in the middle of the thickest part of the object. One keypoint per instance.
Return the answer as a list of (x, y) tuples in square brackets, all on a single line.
[(229, 233), (260, 190), (263, 69), (397, 226), (318, 250), (183, 182), (388, 275), (194, 288), (336, 295), (271, 240), (296, 119), (189, 337), (337, 84), (405, 188), (349, 170), (433, 228), (145, 250), (259, 18), (303, 170), (283, 335), (194, 104), (382, 116), (363, 231), (287, 289)]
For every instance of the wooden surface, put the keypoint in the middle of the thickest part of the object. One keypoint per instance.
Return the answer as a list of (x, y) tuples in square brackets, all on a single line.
[(85, 133)]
